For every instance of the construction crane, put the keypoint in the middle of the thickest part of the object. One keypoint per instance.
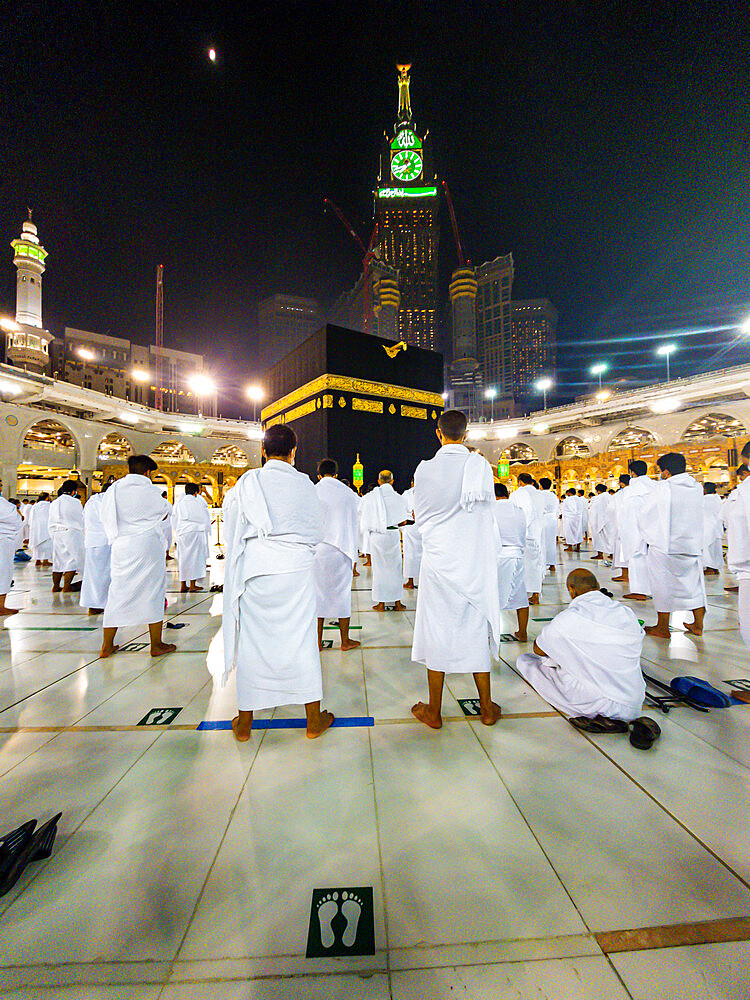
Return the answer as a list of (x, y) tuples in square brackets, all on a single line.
[(369, 253), (159, 338), (462, 262)]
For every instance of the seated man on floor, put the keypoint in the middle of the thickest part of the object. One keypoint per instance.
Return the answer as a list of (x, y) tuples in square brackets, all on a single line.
[(587, 661)]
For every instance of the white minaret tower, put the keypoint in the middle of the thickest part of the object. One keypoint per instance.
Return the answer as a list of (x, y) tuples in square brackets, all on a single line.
[(27, 342)]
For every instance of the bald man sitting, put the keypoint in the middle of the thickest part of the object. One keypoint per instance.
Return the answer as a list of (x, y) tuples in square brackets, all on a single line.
[(587, 661)]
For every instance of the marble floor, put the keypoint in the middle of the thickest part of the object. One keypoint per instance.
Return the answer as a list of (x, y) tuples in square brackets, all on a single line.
[(526, 860)]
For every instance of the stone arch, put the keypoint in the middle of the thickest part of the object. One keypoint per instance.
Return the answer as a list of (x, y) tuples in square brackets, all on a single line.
[(519, 451), (114, 447), (631, 437), (572, 447), (231, 454), (712, 425), (50, 435), (172, 452)]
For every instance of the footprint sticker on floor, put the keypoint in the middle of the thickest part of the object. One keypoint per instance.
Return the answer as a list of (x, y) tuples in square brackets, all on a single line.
[(341, 922), (351, 908), (328, 907)]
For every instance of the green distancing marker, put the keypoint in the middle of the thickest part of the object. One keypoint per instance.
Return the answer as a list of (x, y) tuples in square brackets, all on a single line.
[(351, 627), (541, 619)]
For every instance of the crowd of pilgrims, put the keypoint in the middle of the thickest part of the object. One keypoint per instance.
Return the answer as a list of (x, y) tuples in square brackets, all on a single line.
[(469, 548)]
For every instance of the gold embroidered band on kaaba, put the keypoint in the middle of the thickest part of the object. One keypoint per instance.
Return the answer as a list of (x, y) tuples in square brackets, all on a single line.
[(328, 384)]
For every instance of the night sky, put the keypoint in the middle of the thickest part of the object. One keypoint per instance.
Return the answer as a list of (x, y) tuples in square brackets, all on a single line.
[(606, 149)]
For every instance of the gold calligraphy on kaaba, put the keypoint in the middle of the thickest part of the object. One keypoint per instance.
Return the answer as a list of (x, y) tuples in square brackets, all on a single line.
[(369, 405), (414, 411), (329, 384)]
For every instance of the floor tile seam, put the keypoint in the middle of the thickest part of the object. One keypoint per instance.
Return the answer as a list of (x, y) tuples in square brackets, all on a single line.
[(42, 866), (616, 973), (376, 813), (532, 832), (707, 742), (672, 816), (57, 680), (53, 736), (199, 897)]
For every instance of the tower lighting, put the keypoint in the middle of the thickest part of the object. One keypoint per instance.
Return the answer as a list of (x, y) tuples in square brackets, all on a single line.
[(85, 354), (490, 394), (543, 385), (664, 351), (599, 369), (8, 324), (256, 394), (202, 385)]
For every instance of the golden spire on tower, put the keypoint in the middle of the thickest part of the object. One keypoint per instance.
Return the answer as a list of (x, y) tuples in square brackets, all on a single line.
[(404, 100)]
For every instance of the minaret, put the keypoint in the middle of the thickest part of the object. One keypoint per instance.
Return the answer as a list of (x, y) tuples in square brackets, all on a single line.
[(27, 343)]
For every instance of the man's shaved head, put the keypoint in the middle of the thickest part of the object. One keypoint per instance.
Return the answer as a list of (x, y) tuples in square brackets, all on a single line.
[(386, 476), (582, 581)]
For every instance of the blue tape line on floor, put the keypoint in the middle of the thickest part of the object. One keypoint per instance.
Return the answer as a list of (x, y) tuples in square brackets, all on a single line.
[(350, 722)]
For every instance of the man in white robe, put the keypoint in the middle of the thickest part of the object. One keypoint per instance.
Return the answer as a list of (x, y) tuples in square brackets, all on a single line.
[(412, 543), (458, 606), (572, 519), (511, 566), (274, 521), (65, 523), (583, 503), (336, 553), (132, 511), (632, 543), (671, 521), (40, 542), (25, 512), (742, 472), (10, 523), (737, 520), (587, 661), (618, 556), (551, 519), (713, 530), (599, 524), (96, 567), (166, 527), (191, 524), (531, 501), (383, 513)]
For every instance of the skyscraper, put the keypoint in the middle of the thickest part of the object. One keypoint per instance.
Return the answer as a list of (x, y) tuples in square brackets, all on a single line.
[(406, 210), (493, 316), (533, 335), (284, 321)]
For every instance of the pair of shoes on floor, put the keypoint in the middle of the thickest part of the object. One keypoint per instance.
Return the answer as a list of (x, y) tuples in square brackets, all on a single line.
[(644, 732), (217, 588), (23, 846)]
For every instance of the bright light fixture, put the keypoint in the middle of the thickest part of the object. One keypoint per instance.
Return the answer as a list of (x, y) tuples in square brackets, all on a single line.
[(599, 369), (129, 418), (9, 324), (190, 428), (255, 392), (604, 394), (212, 55), (10, 388), (85, 354), (542, 384), (667, 405), (490, 393), (745, 327), (476, 434), (539, 428), (666, 349), (141, 374), (506, 432), (255, 433), (202, 385), (445, 396)]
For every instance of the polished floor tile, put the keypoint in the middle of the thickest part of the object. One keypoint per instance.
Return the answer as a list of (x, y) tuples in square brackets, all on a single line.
[(696, 972)]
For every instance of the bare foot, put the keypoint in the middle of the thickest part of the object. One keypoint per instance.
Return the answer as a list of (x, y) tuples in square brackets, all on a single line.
[(620, 579), (595, 558), (711, 572), (195, 590), (355, 573), (398, 606), (732, 589), (326, 721), (422, 712), (183, 588), (350, 644), (9, 611), (534, 599), (107, 651), (491, 717), (58, 590), (379, 607), (634, 597), (693, 629), (241, 735), (552, 569), (409, 585), (521, 636), (163, 648), (656, 632)]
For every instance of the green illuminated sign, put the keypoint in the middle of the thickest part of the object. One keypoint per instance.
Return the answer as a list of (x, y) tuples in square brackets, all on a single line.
[(416, 192), (358, 473), (406, 165), (406, 139), (503, 469), (29, 250)]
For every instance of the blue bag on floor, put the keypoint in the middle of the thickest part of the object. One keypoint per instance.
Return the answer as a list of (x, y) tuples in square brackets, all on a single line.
[(21, 556)]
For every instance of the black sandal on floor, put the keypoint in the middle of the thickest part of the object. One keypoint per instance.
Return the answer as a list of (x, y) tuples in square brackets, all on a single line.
[(599, 724), (644, 732)]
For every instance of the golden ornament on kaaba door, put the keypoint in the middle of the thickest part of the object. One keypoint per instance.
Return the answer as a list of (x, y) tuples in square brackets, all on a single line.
[(342, 401), (391, 408)]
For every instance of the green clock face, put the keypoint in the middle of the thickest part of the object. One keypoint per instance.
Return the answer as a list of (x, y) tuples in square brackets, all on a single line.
[(406, 165)]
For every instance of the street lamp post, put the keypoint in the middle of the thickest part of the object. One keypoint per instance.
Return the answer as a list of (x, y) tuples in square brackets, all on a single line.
[(202, 386), (665, 351), (490, 394), (599, 369), (256, 394), (543, 385)]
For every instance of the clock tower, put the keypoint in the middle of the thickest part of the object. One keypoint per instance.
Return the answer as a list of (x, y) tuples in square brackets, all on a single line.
[(406, 209)]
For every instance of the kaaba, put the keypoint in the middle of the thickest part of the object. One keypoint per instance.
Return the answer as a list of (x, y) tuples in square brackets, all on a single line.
[(346, 393)]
